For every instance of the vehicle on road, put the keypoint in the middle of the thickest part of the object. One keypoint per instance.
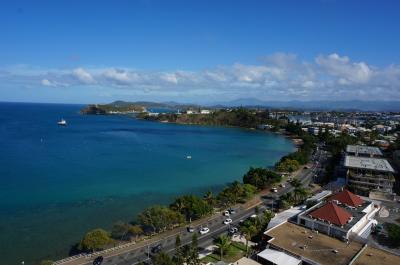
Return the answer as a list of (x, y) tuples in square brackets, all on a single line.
[(190, 229), (228, 221), (233, 230), (156, 248), (274, 190), (98, 260), (226, 213), (232, 211), (204, 230), (253, 216), (282, 185)]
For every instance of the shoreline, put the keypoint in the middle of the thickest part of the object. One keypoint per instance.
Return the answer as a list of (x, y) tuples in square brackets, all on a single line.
[(288, 136)]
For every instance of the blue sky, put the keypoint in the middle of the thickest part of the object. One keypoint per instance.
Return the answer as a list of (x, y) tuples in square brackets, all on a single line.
[(198, 51)]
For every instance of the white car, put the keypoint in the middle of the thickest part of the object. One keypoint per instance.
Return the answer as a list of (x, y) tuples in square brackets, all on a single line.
[(226, 213), (283, 185), (253, 216), (204, 230), (274, 190), (228, 221)]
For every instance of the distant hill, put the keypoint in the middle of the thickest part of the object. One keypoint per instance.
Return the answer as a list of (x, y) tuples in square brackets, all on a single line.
[(120, 106), (315, 105)]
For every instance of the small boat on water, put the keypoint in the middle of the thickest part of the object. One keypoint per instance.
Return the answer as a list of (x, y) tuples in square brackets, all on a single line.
[(188, 157), (62, 122)]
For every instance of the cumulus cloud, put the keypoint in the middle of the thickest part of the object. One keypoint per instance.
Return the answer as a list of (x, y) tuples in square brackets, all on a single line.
[(280, 76), (347, 72), (83, 76), (46, 82)]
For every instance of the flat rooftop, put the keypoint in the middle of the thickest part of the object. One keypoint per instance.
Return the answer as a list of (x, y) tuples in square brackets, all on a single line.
[(375, 164), (364, 150), (320, 248), (373, 256)]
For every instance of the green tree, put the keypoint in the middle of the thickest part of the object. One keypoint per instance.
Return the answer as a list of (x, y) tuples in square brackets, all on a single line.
[(179, 255), (209, 198), (136, 230), (223, 242), (394, 234), (120, 230), (192, 207), (261, 177), (193, 257), (162, 258), (287, 165), (160, 218), (94, 240), (249, 232)]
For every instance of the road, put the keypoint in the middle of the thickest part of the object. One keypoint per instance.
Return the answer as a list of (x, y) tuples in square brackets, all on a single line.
[(216, 226), (306, 176)]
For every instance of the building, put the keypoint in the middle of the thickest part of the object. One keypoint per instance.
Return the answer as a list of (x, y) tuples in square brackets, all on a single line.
[(366, 174), (382, 128), (342, 215), (311, 247), (205, 111), (363, 150)]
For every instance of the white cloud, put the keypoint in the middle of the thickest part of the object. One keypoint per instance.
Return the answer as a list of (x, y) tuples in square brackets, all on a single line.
[(170, 78), (83, 76), (280, 76), (46, 82), (346, 71)]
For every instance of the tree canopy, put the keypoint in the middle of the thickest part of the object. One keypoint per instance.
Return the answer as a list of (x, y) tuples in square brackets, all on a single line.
[(96, 239), (160, 218), (261, 177)]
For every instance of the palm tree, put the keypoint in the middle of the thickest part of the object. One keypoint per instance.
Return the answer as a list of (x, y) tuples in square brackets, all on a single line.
[(162, 258), (209, 198), (249, 232), (223, 243)]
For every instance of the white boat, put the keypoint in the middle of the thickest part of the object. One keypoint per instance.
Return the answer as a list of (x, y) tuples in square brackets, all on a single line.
[(62, 122), (189, 157)]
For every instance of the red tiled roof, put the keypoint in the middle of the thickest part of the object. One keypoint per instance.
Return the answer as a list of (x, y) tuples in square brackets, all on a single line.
[(348, 198), (332, 213)]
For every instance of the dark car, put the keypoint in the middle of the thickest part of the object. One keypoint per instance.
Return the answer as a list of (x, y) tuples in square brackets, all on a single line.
[(156, 248), (98, 260), (232, 211), (190, 229)]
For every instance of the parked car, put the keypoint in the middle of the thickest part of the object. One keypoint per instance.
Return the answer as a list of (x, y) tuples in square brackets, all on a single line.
[(190, 229), (156, 248), (226, 213), (253, 216), (282, 185), (98, 260), (228, 221), (274, 190), (204, 230), (232, 211)]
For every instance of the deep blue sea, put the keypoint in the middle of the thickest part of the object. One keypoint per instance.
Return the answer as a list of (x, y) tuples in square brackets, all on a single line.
[(56, 182)]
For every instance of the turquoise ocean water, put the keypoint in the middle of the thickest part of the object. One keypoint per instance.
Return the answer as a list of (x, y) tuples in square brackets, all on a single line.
[(56, 183)]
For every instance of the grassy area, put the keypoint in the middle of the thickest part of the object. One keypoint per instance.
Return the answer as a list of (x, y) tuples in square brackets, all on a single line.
[(236, 251)]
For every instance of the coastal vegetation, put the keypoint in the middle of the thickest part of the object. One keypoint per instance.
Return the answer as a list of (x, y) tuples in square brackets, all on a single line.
[(239, 117), (94, 240), (293, 161), (261, 178)]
